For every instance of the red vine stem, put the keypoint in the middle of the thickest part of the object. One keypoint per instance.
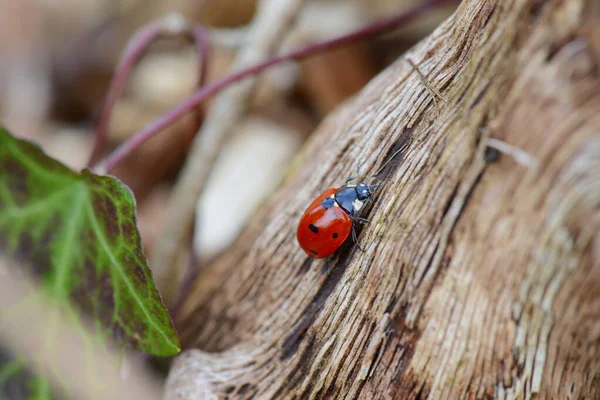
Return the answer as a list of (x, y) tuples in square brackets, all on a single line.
[(200, 37), (203, 93), (126, 63), (136, 47)]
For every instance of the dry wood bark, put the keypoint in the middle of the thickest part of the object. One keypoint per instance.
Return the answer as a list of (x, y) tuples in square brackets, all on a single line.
[(480, 277)]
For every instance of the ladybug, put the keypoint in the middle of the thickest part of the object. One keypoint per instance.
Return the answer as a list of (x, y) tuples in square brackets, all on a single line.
[(329, 220)]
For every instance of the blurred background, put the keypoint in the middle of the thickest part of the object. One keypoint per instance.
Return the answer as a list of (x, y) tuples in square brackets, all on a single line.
[(59, 56)]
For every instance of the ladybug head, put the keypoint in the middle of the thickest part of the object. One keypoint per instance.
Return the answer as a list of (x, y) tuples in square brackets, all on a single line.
[(363, 191)]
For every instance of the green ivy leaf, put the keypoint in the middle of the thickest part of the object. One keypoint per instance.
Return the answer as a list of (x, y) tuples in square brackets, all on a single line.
[(77, 234)]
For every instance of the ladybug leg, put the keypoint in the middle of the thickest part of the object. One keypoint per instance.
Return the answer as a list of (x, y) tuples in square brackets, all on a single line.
[(361, 220), (355, 239), (350, 179)]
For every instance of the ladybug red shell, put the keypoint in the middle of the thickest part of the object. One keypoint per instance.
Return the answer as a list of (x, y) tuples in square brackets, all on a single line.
[(327, 222)]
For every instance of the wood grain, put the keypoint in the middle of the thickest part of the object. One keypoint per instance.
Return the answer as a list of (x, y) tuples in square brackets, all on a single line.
[(480, 277)]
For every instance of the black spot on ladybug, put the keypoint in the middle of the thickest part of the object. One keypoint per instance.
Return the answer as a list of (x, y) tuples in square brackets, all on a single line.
[(335, 235), (328, 202), (313, 228), (314, 252)]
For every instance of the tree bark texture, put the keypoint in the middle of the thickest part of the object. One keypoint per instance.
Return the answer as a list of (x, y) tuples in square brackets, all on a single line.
[(481, 275)]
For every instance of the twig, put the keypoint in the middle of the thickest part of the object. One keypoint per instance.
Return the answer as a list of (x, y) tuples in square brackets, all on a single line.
[(520, 156), (244, 73), (228, 38), (200, 37), (171, 25), (433, 92), (203, 48)]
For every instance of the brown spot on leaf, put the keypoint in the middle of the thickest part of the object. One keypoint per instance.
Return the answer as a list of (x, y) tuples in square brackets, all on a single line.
[(84, 293), (107, 212), (139, 253), (89, 245), (129, 229), (35, 254), (125, 209), (139, 273), (16, 175), (107, 299)]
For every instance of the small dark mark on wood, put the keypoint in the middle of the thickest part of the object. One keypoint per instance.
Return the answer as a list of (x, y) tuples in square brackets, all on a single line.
[(468, 195), (391, 304), (300, 369), (229, 389), (245, 388), (392, 159), (479, 96), (536, 9), (491, 155), (422, 393), (556, 47), (331, 389), (305, 266), (400, 383), (354, 374), (291, 343), (319, 394)]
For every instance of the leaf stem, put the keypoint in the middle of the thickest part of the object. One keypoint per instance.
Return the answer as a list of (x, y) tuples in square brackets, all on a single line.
[(203, 93)]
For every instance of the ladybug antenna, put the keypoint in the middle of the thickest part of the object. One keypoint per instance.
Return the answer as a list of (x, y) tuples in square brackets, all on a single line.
[(403, 147)]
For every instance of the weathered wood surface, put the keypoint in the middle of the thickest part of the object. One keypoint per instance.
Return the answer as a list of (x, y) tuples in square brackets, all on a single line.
[(480, 279)]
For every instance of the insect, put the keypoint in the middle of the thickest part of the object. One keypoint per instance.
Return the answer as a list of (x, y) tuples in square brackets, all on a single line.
[(329, 220)]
